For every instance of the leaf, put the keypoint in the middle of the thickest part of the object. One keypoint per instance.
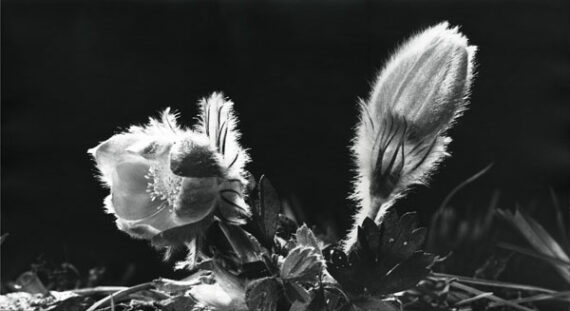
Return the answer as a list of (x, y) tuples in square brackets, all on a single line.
[(298, 306), (404, 275), (268, 208), (373, 304), (254, 270), (286, 226), (539, 239), (305, 237), (76, 303), (401, 238), (3, 237), (370, 235), (244, 244), (302, 264), (384, 260), (295, 292), (319, 301), (263, 294), (177, 303)]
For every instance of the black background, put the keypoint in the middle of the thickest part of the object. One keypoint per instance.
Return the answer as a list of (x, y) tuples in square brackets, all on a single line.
[(74, 72)]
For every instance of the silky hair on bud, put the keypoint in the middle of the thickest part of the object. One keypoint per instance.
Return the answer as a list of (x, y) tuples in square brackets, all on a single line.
[(400, 137)]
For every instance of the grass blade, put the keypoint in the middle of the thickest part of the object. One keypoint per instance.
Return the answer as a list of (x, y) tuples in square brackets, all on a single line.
[(524, 251)]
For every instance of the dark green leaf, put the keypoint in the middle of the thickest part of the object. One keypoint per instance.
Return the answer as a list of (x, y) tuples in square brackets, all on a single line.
[(385, 259), (399, 240), (404, 275), (302, 264), (244, 244), (539, 239), (319, 302), (177, 303), (263, 294), (305, 237), (286, 227), (298, 306), (371, 235), (268, 208), (374, 304), (295, 292)]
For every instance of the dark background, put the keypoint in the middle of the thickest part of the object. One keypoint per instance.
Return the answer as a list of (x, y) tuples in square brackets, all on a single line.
[(74, 72)]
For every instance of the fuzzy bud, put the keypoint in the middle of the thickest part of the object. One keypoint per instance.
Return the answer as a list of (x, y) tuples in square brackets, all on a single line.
[(400, 138)]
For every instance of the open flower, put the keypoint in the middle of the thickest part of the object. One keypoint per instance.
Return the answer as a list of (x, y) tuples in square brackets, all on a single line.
[(162, 176)]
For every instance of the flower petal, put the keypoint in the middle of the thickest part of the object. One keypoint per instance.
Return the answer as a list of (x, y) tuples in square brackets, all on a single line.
[(130, 197)]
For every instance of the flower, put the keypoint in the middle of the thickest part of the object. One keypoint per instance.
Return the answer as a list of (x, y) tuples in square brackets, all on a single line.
[(162, 176), (400, 138)]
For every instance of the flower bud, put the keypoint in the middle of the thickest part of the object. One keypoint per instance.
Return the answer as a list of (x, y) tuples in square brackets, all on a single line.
[(427, 80), (400, 138)]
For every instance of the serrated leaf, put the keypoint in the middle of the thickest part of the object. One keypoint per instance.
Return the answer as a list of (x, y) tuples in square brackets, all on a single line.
[(385, 259), (302, 264), (305, 237), (399, 240), (319, 301), (267, 209), (295, 292), (286, 226), (255, 270), (404, 275), (371, 235), (263, 294), (336, 299)]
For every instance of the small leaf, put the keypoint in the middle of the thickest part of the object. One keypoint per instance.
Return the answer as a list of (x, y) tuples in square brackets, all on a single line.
[(371, 234), (268, 209), (319, 301), (286, 226), (177, 303), (254, 270), (401, 238), (404, 275), (384, 259), (295, 292), (373, 304), (298, 306), (302, 264), (263, 294), (335, 297), (539, 239), (3, 237), (305, 237)]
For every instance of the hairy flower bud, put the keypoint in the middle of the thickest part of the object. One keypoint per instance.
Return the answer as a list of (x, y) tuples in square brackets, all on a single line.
[(400, 138), (426, 81)]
